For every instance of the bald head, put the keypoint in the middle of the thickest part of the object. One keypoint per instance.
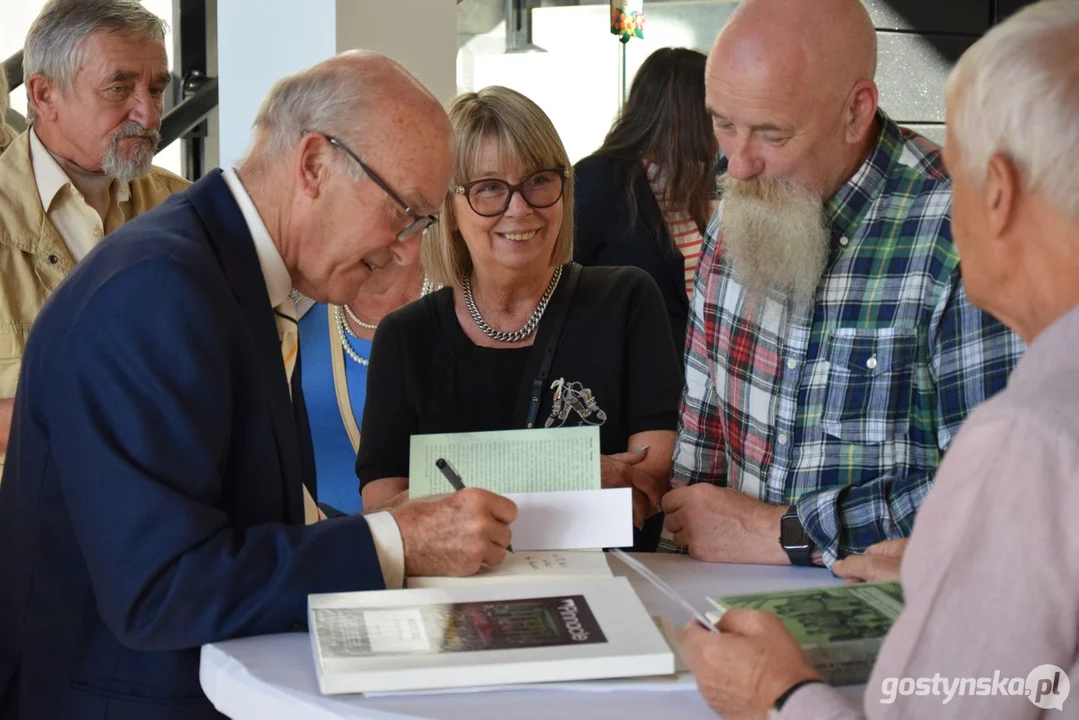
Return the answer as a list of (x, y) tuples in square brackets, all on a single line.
[(791, 92), (802, 46), (361, 97)]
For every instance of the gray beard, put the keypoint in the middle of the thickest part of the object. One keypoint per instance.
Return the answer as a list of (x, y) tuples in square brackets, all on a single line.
[(775, 237), (129, 169)]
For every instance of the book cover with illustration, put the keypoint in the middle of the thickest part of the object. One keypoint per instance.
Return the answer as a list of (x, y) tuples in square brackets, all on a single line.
[(460, 627), (840, 627), (507, 633)]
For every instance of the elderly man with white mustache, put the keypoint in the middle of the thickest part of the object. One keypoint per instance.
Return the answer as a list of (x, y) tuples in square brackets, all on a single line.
[(96, 73), (832, 352)]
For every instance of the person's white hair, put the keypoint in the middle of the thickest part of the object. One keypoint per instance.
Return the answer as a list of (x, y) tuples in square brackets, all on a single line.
[(329, 98), (54, 44), (1016, 92)]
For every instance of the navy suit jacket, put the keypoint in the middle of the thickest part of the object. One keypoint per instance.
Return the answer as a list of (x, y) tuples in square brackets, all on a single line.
[(152, 501)]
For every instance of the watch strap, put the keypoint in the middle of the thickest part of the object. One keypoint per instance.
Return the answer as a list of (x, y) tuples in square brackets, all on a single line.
[(801, 556), (782, 699)]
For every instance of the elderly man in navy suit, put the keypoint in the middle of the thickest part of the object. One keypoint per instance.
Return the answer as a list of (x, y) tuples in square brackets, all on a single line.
[(154, 495)]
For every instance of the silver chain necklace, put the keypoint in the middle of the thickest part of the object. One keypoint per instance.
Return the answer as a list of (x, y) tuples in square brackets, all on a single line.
[(528, 328), (343, 328)]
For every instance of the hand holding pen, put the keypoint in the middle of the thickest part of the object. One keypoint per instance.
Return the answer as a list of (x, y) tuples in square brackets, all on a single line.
[(455, 480)]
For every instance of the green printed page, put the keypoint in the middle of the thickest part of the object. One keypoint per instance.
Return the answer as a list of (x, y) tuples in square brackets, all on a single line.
[(827, 615), (507, 461)]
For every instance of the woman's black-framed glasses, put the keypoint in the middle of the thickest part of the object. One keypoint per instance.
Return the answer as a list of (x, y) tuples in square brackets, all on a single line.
[(417, 223), (490, 197)]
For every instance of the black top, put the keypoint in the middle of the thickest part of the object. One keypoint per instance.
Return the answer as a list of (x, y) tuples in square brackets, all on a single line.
[(427, 377), (608, 233)]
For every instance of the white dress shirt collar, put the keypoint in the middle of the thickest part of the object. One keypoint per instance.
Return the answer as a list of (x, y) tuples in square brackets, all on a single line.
[(51, 178), (278, 281)]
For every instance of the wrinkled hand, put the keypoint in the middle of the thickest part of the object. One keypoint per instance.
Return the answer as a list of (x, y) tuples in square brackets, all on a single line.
[(724, 525), (455, 534), (743, 670), (880, 563), (620, 470)]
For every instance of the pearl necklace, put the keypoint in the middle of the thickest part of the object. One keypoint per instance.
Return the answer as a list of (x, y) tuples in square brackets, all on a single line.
[(527, 329), (424, 290), (343, 327)]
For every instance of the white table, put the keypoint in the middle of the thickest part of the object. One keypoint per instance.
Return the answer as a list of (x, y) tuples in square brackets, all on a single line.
[(273, 677)]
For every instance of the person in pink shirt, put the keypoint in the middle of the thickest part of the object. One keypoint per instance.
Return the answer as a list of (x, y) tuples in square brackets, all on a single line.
[(990, 574)]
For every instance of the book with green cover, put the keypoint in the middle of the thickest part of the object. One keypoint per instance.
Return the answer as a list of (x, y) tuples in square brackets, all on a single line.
[(840, 628)]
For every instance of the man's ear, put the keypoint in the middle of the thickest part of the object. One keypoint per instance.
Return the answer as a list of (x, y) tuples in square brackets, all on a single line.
[(1000, 194), (861, 111), (42, 95), (313, 169)]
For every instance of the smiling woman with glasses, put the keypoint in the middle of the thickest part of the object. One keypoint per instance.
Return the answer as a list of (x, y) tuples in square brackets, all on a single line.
[(470, 357)]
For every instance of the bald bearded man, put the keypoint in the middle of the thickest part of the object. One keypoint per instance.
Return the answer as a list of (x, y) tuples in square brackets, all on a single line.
[(832, 353)]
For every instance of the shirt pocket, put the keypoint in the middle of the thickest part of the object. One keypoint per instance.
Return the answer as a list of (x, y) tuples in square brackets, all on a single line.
[(870, 384)]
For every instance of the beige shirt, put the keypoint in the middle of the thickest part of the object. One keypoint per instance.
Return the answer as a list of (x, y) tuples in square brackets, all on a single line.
[(34, 256), (384, 531), (79, 224), (991, 573)]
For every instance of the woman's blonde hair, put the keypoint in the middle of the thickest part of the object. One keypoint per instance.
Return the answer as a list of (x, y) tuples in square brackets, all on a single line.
[(526, 137)]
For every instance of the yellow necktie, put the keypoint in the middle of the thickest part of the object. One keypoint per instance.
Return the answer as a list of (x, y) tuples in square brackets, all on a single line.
[(288, 330)]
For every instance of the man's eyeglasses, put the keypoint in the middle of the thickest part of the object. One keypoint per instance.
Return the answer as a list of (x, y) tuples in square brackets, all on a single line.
[(417, 223), (490, 197)]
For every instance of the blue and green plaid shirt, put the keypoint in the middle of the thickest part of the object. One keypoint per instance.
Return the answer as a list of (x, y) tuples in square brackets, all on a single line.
[(846, 408)]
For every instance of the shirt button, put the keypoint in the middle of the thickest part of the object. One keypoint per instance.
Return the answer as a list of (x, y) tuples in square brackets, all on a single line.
[(871, 363), (53, 259), (844, 241), (792, 364), (97, 233), (782, 438)]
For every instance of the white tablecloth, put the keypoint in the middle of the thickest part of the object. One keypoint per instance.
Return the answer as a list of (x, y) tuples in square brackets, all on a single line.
[(273, 677)]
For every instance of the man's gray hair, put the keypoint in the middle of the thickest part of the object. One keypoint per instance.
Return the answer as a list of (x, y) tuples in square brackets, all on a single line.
[(328, 98), (1016, 93), (54, 44)]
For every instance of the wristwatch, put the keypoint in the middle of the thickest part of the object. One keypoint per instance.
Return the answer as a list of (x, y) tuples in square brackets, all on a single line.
[(794, 539)]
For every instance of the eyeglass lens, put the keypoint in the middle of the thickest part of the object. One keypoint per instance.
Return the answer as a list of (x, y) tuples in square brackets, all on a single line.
[(540, 190)]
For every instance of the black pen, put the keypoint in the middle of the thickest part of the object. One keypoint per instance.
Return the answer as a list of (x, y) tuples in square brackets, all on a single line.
[(450, 474), (458, 484)]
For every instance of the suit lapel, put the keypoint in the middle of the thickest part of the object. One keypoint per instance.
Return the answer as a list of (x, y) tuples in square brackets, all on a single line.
[(234, 247)]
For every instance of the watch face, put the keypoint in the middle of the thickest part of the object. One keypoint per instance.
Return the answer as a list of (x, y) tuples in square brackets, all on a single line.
[(791, 533)]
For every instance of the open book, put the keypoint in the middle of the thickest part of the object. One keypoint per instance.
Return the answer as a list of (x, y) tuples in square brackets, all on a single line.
[(553, 475), (504, 634), (529, 566)]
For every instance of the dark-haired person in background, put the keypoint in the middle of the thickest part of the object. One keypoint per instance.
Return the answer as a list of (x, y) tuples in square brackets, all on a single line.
[(644, 198)]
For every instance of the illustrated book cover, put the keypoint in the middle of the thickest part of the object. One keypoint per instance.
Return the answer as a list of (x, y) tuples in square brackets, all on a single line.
[(840, 627)]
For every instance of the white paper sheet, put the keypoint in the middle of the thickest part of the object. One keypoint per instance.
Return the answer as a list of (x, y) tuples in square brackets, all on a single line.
[(573, 520)]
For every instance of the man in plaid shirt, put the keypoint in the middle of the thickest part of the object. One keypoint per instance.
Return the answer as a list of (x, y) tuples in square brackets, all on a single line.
[(832, 353)]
